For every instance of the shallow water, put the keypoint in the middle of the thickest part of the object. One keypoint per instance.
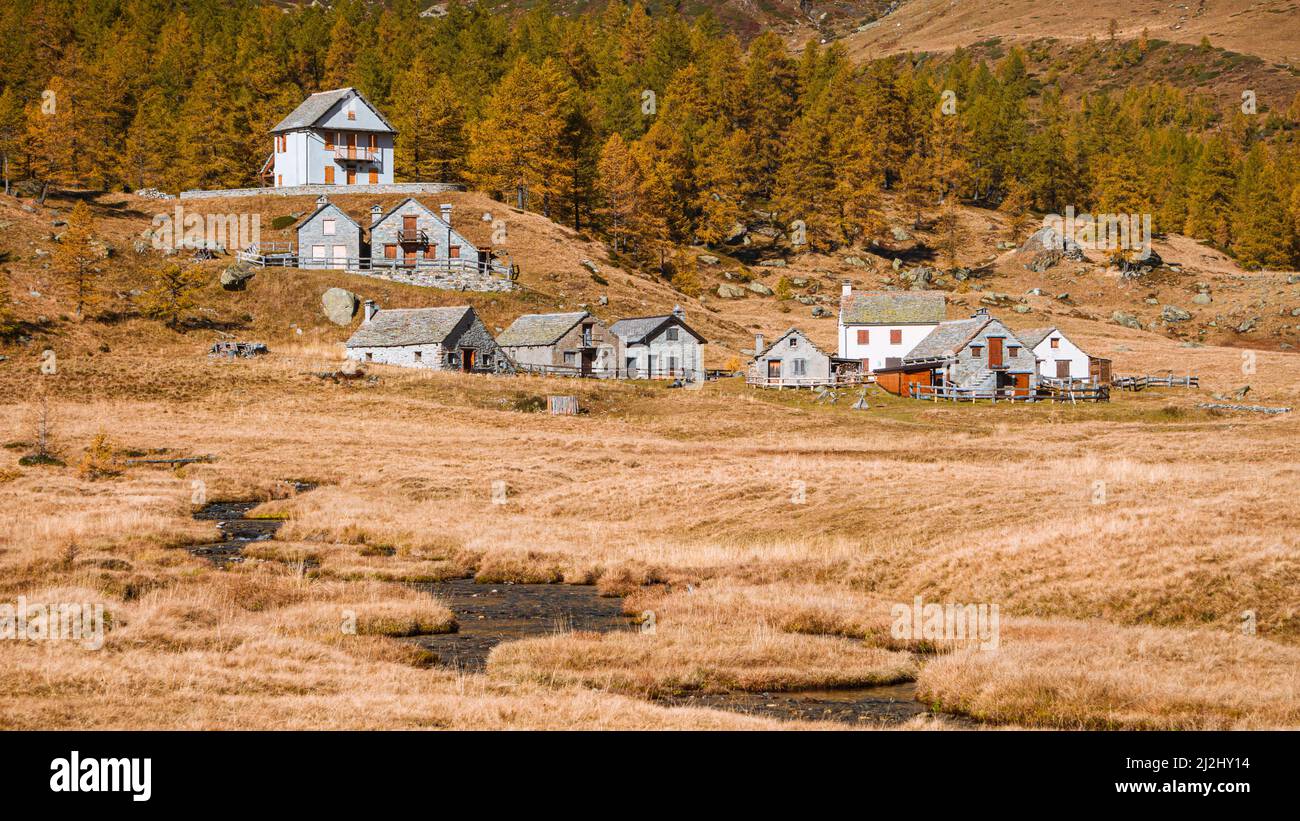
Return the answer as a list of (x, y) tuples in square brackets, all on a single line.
[(489, 614), (860, 706), (236, 530)]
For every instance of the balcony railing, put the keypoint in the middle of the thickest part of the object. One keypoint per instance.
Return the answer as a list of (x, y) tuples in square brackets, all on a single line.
[(416, 237), (352, 153)]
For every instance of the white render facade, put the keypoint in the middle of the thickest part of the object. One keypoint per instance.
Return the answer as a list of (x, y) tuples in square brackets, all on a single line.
[(333, 138), (1058, 357), (876, 327)]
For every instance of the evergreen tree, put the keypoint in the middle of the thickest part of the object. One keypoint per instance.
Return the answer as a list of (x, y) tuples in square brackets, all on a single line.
[(78, 261), (173, 293)]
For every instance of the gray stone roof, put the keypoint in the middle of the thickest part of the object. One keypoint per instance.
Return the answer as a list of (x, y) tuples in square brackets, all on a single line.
[(408, 326), (311, 110), (1031, 337), (892, 308), (947, 339), (769, 348), (302, 222), (539, 329), (635, 330)]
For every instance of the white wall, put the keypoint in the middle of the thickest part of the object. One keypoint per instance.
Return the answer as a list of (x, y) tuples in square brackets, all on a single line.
[(431, 355), (1047, 357), (305, 160), (686, 349), (878, 347)]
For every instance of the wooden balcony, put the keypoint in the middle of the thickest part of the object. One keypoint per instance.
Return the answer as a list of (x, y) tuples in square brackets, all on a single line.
[(416, 237), (352, 153)]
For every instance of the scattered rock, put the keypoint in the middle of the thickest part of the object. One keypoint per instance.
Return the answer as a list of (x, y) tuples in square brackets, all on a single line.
[(1021, 309), (589, 265), (738, 233), (1127, 320), (340, 305), (819, 311), (1034, 292), (772, 263), (604, 300), (759, 288), (1202, 299), (1172, 313), (1063, 297), (708, 259), (1046, 247), (236, 277), (1247, 326), (800, 282), (899, 234), (728, 291), (856, 262)]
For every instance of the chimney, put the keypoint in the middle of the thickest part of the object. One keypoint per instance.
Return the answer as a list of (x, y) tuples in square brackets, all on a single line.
[(322, 201), (375, 213), (371, 310), (758, 344), (679, 313), (982, 313), (445, 208), (846, 288)]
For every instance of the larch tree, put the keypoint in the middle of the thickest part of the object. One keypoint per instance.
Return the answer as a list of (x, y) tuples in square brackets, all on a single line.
[(173, 293), (618, 186), (1210, 195), (78, 261)]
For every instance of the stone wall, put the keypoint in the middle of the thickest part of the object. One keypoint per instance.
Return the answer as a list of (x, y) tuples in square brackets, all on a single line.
[(317, 190), (467, 279)]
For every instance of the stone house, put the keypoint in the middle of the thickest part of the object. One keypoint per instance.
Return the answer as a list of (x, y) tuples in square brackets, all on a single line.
[(442, 339), (660, 347), (329, 238), (412, 235), (792, 360), (879, 328), (977, 354), (569, 343), (332, 138)]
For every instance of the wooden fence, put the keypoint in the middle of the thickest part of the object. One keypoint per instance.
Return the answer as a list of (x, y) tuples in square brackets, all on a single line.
[(1137, 383), (1075, 393), (284, 255), (833, 381), (952, 393)]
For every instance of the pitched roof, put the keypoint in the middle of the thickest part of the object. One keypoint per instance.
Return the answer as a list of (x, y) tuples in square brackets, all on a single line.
[(637, 329), (948, 338), (321, 207), (408, 326), (1032, 337), (311, 110), (892, 308), (435, 214), (769, 348), (539, 329)]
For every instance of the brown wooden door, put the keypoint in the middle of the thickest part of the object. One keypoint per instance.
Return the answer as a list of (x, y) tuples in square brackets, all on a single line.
[(1022, 384), (995, 351), (1062, 369), (408, 226), (329, 175), (352, 176), (374, 176), (773, 369), (352, 146), (390, 252), (467, 359)]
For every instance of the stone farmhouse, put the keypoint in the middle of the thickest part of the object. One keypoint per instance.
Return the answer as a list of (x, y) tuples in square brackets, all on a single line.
[(332, 138), (440, 339), (411, 234), (794, 361), (978, 354), (574, 343), (660, 347), (879, 328), (329, 238)]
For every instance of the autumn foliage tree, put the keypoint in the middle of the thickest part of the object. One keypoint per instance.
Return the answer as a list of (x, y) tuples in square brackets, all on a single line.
[(78, 260)]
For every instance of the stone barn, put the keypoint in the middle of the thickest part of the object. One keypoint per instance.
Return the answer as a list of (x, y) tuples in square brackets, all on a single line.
[(574, 343), (660, 347), (792, 360), (328, 238), (440, 339)]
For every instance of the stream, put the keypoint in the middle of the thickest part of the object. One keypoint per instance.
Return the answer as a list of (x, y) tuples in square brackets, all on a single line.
[(489, 614)]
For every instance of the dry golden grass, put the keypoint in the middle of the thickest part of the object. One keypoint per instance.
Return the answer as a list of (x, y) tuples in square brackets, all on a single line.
[(796, 523)]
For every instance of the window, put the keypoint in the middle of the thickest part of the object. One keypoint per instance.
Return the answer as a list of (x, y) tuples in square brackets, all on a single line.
[(328, 226), (977, 351), (672, 364), (895, 336), (798, 367), (370, 357), (672, 334), (453, 251), (352, 113), (1056, 342), (487, 360), (864, 337), (794, 342), (571, 357), (1013, 351), (419, 356), (330, 139)]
